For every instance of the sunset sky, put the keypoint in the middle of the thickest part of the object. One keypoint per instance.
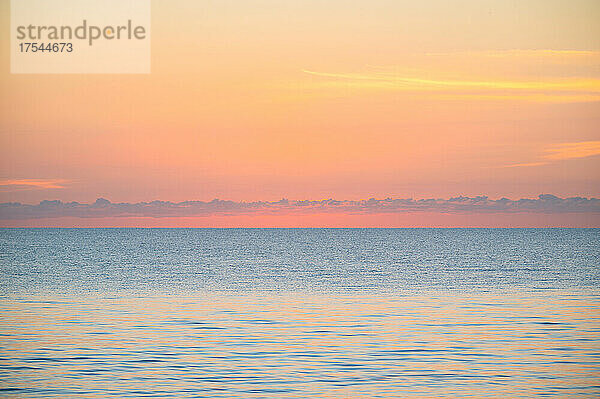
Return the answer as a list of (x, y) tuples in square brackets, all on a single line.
[(310, 100)]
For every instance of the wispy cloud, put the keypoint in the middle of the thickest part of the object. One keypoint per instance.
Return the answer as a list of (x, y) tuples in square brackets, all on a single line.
[(519, 53), (545, 204), (561, 75), (400, 82), (581, 149), (525, 164), (556, 89), (30, 184), (563, 151)]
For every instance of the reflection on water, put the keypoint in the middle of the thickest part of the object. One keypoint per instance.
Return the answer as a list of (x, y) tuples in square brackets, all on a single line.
[(300, 346), (362, 331)]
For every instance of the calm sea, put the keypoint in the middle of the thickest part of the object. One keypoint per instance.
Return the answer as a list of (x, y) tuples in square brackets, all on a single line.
[(299, 313)]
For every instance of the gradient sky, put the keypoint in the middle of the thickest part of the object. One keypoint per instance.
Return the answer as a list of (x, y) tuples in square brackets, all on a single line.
[(262, 100)]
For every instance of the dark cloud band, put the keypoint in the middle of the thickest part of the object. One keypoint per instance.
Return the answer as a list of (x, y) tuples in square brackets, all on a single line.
[(545, 203)]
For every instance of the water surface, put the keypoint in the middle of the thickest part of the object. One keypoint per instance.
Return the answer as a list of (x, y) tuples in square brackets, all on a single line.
[(293, 313)]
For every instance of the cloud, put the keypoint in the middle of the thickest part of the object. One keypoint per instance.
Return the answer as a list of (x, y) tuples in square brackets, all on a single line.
[(544, 204), (543, 75), (402, 82), (29, 184), (520, 53), (563, 151), (581, 149), (519, 165)]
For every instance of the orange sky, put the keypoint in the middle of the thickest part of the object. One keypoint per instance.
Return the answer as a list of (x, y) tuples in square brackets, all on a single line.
[(264, 99)]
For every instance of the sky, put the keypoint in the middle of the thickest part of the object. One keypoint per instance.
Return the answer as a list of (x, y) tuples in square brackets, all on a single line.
[(261, 100)]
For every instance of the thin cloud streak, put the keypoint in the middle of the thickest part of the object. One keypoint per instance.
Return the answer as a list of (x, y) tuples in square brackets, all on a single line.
[(581, 149), (591, 85), (518, 53), (585, 89), (564, 76), (564, 151), (544, 204), (525, 164), (24, 184)]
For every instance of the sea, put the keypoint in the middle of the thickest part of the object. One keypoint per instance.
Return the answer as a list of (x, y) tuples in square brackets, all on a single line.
[(299, 313)]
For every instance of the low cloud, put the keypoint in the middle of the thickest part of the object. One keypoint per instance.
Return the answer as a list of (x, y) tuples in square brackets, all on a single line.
[(544, 204)]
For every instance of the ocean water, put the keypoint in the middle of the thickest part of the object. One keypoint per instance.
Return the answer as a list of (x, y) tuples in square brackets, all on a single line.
[(297, 313)]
